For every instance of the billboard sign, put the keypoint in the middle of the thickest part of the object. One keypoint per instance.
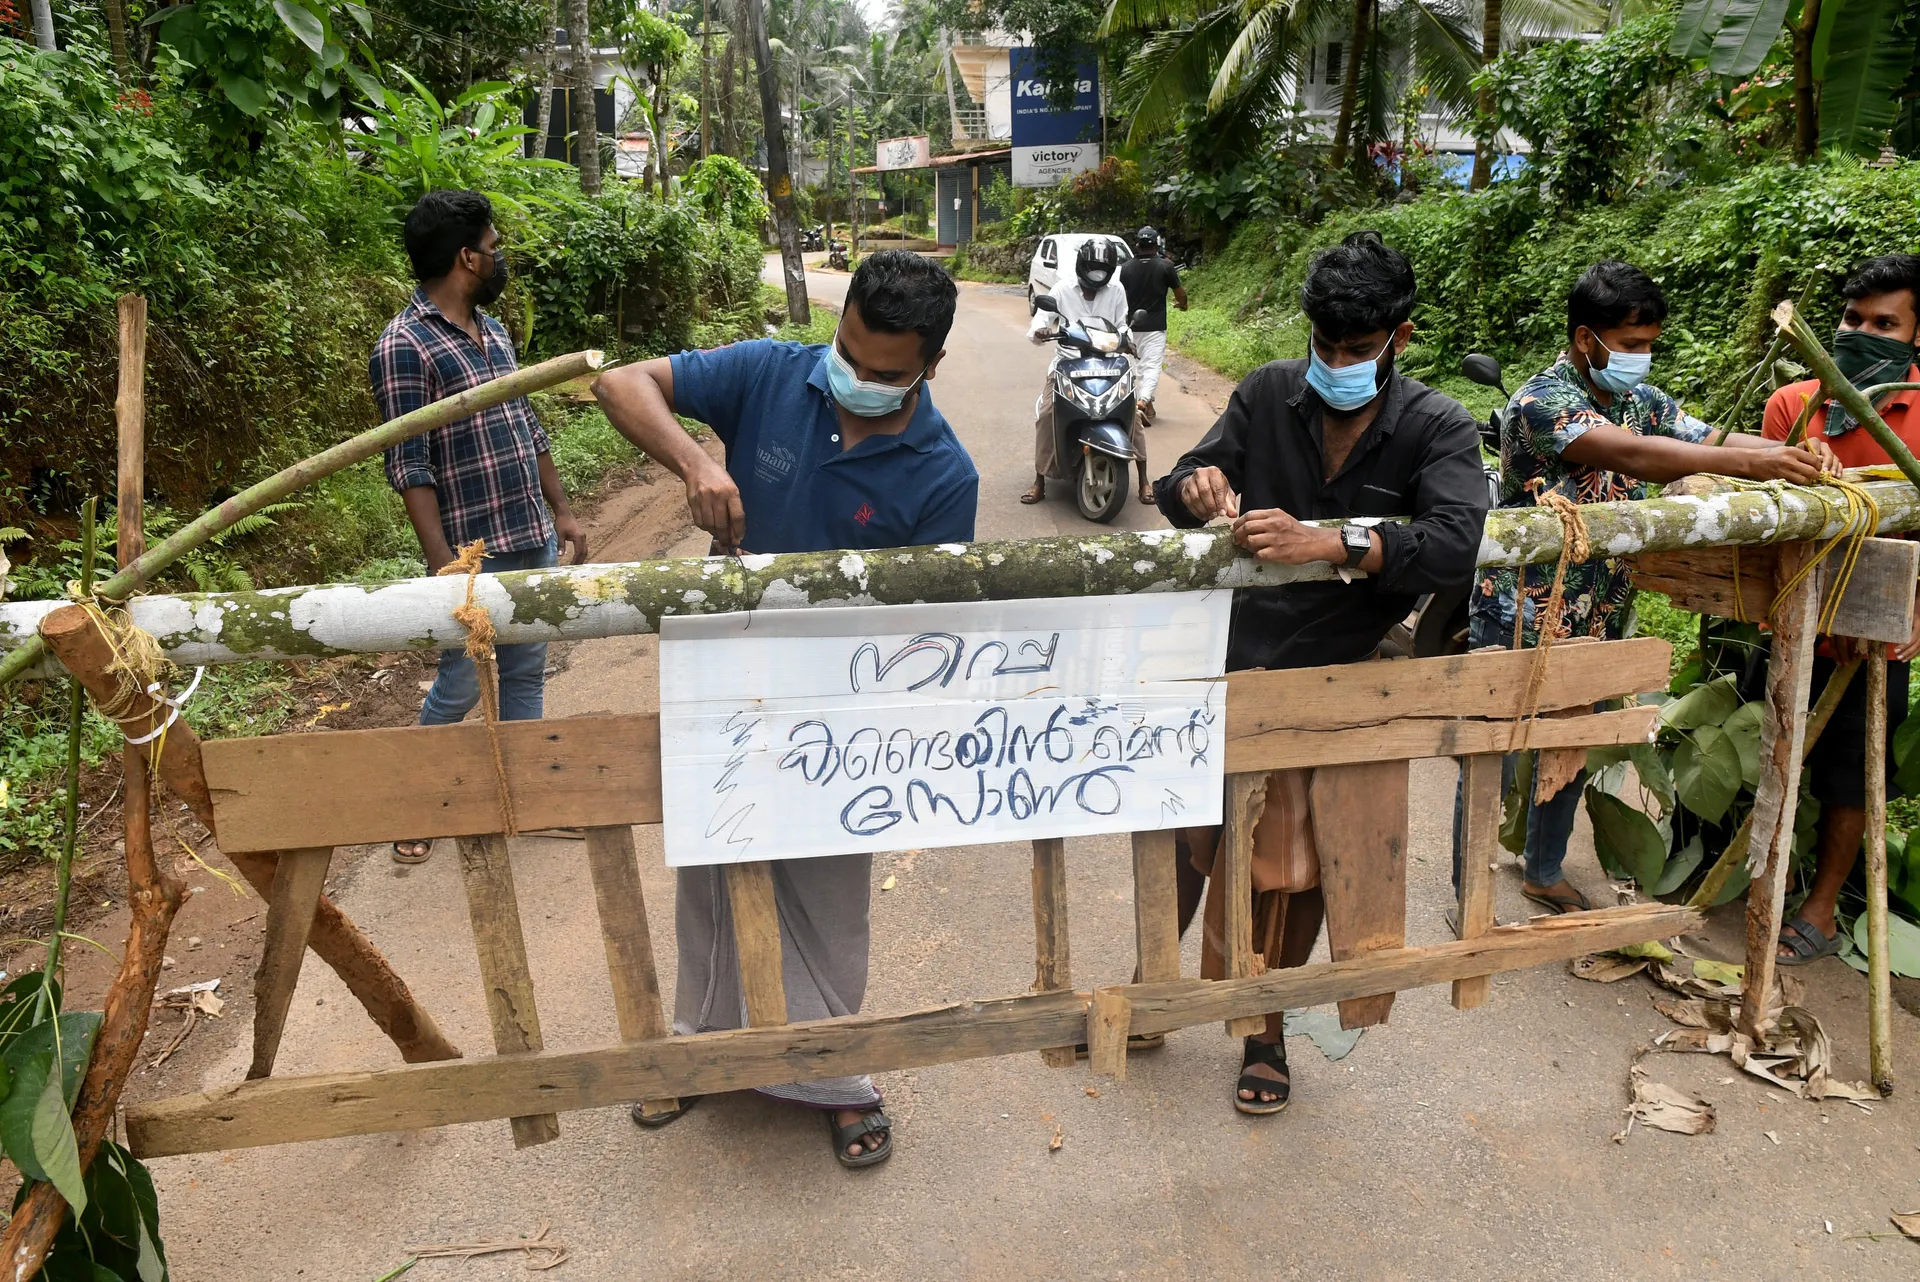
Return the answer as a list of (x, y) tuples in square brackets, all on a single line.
[(1036, 123), (903, 153), (1045, 166)]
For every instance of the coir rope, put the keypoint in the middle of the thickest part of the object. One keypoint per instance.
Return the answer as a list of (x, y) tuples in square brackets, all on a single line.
[(479, 625)]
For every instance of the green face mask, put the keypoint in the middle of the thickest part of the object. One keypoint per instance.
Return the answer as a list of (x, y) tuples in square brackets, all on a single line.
[(1867, 360)]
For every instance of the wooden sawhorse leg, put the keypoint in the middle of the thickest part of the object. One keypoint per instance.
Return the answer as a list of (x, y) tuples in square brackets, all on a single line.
[(622, 907), (298, 877), (1479, 847), (1246, 802), (1052, 957), (756, 939), (495, 910)]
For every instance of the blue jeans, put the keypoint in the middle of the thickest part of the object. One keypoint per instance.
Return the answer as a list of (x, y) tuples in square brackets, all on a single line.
[(523, 668), (1550, 822)]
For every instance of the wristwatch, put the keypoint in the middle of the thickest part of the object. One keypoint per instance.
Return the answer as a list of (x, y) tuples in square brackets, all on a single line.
[(1358, 540)]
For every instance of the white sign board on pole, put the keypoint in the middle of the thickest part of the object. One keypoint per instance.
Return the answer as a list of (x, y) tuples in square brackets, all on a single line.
[(793, 733), (903, 153), (1045, 166)]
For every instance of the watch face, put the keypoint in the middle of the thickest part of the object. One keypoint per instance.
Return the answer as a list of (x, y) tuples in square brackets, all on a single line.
[(1356, 536)]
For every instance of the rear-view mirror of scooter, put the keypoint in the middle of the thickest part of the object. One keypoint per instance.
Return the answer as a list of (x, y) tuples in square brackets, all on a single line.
[(1483, 370), (1138, 318), (1045, 303)]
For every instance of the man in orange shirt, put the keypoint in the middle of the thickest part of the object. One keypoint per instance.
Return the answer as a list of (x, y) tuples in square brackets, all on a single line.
[(1875, 344)]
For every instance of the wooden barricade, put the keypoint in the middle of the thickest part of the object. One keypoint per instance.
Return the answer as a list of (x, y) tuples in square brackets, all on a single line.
[(275, 797)]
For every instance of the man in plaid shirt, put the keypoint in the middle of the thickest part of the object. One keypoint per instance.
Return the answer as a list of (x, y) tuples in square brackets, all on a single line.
[(489, 476)]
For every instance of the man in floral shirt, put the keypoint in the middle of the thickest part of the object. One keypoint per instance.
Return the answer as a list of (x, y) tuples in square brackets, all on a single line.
[(1593, 429)]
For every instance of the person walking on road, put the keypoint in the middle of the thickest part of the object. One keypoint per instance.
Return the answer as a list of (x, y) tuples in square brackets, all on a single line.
[(1147, 278), (1340, 435), (1096, 292), (835, 446), (489, 477)]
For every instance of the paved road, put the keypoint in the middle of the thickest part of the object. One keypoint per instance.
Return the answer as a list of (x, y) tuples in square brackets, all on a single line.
[(1447, 1145)]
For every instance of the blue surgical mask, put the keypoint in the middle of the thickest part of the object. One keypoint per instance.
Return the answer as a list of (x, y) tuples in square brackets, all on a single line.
[(1624, 372), (1348, 387), (857, 396)]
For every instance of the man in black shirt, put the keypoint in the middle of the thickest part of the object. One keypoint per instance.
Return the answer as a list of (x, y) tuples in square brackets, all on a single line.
[(1339, 436), (1147, 279)]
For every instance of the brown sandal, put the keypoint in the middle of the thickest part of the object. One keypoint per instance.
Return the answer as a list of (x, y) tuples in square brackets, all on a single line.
[(1036, 494), (425, 852)]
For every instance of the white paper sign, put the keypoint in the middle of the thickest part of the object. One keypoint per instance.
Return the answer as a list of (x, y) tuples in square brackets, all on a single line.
[(792, 733)]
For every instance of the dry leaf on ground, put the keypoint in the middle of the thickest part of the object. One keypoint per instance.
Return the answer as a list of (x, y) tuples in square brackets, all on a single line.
[(1908, 1224), (1605, 968), (1059, 1138), (1664, 1107)]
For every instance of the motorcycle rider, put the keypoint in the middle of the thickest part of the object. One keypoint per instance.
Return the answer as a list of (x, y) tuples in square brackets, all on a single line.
[(1098, 293), (1147, 277)]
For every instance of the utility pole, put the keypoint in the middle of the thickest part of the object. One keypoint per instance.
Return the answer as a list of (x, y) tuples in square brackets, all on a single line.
[(779, 174)]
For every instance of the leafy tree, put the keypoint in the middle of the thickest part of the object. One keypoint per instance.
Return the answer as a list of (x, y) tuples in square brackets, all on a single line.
[(1852, 60), (248, 63), (451, 44), (654, 45)]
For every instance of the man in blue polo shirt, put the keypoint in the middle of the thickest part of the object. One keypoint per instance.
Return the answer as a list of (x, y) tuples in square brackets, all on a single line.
[(834, 446)]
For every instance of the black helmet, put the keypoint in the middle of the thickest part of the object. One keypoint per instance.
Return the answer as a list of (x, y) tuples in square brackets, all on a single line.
[(1146, 240), (1096, 263)]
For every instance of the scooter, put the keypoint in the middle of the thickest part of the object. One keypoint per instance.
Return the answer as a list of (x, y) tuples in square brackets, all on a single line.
[(813, 239), (1093, 409), (837, 255), (1438, 624)]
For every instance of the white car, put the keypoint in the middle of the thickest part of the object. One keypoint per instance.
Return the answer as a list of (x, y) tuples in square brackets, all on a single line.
[(1053, 260)]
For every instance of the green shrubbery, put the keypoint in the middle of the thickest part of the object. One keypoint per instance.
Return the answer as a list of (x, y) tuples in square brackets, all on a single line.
[(1495, 267)]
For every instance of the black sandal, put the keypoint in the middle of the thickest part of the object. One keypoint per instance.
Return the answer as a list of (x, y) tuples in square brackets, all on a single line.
[(655, 1121), (1273, 1055), (872, 1122)]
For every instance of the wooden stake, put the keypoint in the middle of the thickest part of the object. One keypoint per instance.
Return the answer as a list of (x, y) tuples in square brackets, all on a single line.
[(1108, 1022), (1782, 735), (622, 905), (756, 939), (495, 910), (1052, 955), (298, 879), (1246, 802), (1479, 846), (1156, 906), (1879, 973)]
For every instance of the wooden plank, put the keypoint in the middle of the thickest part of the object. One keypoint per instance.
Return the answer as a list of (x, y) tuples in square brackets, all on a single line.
[(432, 780), (298, 877), (1052, 954), (1485, 683), (756, 940), (285, 1110), (1479, 848), (1876, 605), (1879, 970), (622, 906), (1360, 828), (604, 770), (1279, 748), (1246, 801), (1782, 731), (1156, 906), (1878, 602), (1702, 579), (495, 910), (1108, 1019)]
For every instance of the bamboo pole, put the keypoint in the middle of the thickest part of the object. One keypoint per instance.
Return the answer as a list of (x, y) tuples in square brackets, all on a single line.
[(1838, 388), (589, 601), (1879, 981), (282, 483)]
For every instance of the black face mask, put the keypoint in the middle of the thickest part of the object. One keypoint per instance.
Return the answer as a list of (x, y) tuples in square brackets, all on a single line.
[(490, 287), (1867, 360)]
